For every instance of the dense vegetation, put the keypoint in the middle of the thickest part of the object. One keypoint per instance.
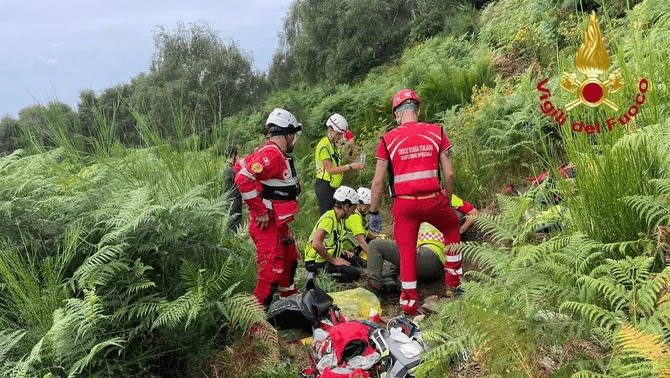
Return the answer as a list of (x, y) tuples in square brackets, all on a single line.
[(114, 259)]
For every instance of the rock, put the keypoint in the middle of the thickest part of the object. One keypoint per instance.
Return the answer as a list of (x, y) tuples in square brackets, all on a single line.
[(430, 304)]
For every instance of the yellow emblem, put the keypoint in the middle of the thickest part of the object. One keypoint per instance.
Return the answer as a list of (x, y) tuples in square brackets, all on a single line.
[(592, 60), (257, 167)]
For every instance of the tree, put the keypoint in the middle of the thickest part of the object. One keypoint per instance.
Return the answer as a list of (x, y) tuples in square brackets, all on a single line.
[(341, 41), (195, 75), (10, 135), (108, 116)]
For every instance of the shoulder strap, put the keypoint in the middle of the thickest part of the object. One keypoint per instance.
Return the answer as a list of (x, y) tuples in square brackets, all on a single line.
[(389, 167)]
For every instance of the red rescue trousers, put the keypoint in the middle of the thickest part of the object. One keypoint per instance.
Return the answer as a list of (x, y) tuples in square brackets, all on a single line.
[(408, 214), (276, 259)]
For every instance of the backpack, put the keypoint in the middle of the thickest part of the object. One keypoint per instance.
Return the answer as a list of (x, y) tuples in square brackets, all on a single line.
[(302, 310), (400, 346), (342, 348)]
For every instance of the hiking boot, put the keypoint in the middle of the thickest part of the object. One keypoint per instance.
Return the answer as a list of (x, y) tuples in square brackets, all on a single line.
[(390, 286), (372, 287), (409, 301), (453, 292)]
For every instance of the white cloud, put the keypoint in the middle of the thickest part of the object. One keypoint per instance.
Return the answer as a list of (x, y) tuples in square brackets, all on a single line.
[(47, 60)]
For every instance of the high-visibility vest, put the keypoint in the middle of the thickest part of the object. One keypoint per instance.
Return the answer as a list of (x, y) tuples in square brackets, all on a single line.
[(333, 243), (431, 237), (325, 150)]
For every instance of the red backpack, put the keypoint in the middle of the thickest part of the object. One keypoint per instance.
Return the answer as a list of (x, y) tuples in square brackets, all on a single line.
[(342, 349)]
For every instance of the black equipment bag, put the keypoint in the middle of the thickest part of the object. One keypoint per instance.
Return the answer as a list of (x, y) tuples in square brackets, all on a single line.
[(302, 310)]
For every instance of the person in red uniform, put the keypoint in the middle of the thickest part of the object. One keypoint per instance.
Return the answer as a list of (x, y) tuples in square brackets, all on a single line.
[(414, 154), (268, 183)]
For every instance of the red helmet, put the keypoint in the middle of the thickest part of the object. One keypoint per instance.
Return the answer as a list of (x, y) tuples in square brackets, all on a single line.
[(404, 95)]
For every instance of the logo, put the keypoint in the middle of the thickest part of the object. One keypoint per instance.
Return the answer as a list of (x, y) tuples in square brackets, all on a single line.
[(256, 167), (592, 61)]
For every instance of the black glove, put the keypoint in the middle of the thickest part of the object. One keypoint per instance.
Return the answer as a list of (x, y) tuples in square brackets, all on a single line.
[(375, 223)]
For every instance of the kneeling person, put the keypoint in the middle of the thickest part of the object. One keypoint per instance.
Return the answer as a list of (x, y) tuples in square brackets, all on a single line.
[(430, 257), (357, 232), (324, 250)]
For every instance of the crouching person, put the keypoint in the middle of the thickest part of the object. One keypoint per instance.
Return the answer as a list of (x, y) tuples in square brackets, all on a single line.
[(324, 250), (357, 232)]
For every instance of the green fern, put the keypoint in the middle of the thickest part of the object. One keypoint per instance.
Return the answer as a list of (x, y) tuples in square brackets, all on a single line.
[(206, 288), (8, 340), (654, 210), (626, 292)]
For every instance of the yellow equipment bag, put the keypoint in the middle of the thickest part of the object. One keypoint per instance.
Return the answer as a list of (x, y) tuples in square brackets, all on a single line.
[(358, 303)]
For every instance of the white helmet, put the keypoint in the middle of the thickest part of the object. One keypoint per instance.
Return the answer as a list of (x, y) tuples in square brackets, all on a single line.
[(283, 119), (364, 195), (346, 194), (338, 123)]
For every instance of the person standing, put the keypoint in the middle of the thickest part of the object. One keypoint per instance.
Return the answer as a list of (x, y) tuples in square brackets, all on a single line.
[(232, 195), (414, 154), (324, 250), (329, 168), (268, 184)]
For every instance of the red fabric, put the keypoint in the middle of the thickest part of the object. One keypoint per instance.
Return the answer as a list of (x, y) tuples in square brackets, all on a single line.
[(274, 259), (408, 214), (266, 163), (409, 301), (338, 372), (344, 333), (466, 208), (413, 150)]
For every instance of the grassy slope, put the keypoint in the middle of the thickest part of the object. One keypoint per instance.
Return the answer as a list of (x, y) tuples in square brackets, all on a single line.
[(159, 205)]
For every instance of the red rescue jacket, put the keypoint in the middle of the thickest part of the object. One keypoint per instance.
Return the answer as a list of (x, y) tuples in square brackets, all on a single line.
[(267, 181)]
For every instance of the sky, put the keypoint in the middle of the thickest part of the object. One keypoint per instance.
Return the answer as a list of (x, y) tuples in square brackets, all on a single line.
[(50, 50)]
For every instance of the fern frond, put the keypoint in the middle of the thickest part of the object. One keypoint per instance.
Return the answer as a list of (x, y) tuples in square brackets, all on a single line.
[(79, 366), (649, 346), (101, 266), (596, 315), (655, 210), (527, 255), (182, 310), (8, 340), (484, 255), (495, 226), (242, 311)]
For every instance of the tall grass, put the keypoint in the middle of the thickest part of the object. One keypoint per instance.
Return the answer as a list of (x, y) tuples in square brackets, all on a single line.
[(104, 250)]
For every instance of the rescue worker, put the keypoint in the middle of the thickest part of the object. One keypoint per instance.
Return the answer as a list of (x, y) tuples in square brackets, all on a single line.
[(357, 233), (268, 183), (324, 250), (430, 250), (231, 193), (463, 209), (414, 153), (329, 167), (430, 257)]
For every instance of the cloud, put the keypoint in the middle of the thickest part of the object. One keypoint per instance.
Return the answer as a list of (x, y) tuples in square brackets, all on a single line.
[(47, 60)]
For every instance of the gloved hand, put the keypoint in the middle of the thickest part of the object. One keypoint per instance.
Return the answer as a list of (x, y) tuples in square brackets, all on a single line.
[(375, 223)]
